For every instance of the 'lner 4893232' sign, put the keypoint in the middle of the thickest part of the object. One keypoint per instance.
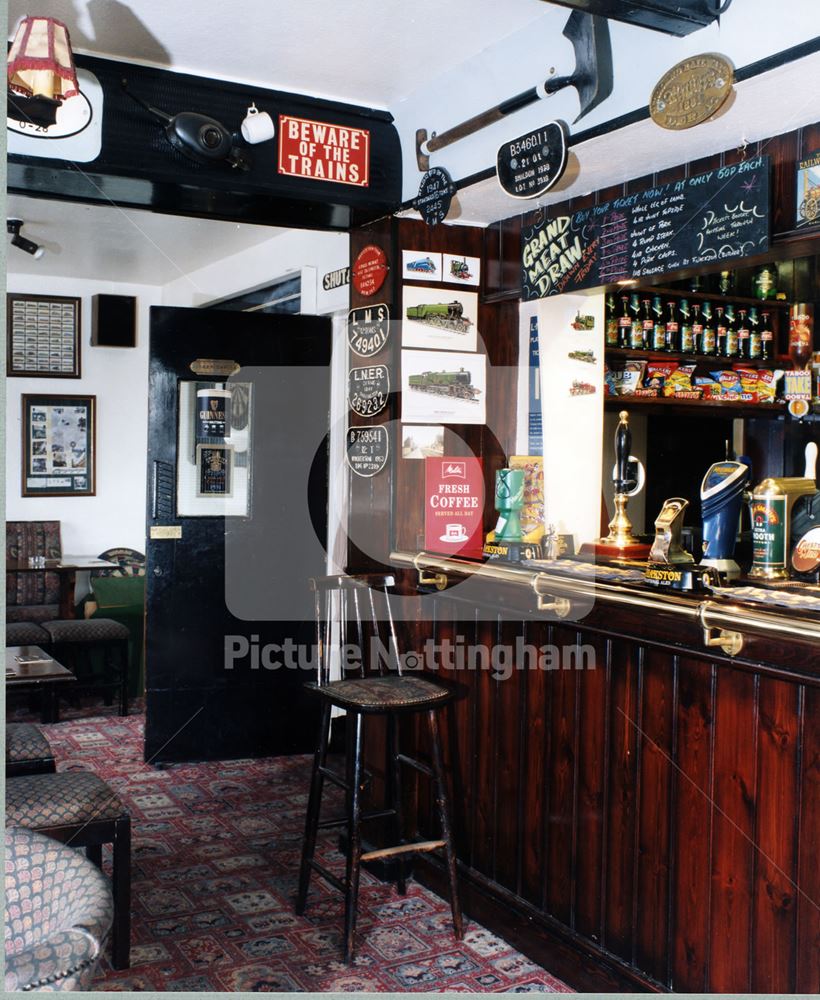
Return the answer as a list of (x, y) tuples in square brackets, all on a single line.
[(368, 329), (368, 389)]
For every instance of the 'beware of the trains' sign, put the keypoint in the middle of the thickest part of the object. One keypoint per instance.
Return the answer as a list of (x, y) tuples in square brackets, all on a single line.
[(324, 152)]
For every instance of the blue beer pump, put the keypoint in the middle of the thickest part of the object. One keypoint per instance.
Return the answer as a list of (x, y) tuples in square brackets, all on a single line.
[(721, 497)]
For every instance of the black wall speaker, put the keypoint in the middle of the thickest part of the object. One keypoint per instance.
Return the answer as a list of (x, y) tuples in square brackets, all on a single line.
[(113, 321)]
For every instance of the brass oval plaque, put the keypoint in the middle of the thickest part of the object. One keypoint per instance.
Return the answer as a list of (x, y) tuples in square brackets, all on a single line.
[(692, 91)]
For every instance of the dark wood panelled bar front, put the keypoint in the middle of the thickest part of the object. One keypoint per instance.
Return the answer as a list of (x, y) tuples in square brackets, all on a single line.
[(638, 808)]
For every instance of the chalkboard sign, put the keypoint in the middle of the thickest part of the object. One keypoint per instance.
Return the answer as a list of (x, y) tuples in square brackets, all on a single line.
[(717, 216), (530, 165)]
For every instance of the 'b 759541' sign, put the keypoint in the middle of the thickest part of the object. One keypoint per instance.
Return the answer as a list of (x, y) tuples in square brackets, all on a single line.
[(324, 152), (366, 450)]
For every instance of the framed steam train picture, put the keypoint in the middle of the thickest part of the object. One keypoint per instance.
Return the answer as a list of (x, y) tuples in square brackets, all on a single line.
[(443, 387), (440, 319)]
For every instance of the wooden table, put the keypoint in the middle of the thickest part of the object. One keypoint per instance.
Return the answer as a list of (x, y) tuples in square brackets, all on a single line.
[(66, 569), (30, 666)]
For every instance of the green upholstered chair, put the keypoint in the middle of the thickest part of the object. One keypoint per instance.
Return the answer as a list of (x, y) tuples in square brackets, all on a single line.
[(122, 599)]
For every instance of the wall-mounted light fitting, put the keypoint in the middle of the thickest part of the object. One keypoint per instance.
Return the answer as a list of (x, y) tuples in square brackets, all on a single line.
[(13, 227)]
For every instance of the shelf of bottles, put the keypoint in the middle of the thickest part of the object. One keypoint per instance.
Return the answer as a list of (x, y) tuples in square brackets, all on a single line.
[(708, 328)]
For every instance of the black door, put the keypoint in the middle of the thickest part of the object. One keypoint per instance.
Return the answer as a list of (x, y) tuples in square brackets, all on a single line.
[(237, 519)]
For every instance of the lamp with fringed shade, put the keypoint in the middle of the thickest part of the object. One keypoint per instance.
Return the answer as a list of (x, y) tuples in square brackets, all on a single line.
[(40, 61)]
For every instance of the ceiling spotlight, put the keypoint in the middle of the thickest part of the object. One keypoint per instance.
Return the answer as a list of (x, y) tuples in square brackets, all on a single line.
[(13, 226)]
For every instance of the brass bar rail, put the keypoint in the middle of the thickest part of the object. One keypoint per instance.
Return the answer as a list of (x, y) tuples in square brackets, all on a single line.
[(726, 619)]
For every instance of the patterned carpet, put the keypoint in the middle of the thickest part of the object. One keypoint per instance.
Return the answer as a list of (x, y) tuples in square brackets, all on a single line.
[(215, 857)]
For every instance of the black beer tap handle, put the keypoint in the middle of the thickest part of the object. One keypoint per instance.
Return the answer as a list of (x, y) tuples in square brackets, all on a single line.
[(624, 482)]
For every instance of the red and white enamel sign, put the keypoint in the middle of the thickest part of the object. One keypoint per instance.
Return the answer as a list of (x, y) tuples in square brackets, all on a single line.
[(323, 152), (454, 508), (369, 270)]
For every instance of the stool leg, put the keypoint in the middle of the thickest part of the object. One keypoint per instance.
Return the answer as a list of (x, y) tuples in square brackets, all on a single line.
[(395, 795), (442, 800), (313, 809), (124, 671), (354, 836), (121, 936), (94, 853)]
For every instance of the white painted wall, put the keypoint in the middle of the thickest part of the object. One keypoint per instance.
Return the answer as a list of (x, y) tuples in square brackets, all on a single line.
[(118, 377)]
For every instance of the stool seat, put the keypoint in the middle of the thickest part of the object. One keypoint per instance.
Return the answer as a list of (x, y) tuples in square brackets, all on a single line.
[(26, 634), (42, 801), (381, 694), (27, 750), (85, 630)]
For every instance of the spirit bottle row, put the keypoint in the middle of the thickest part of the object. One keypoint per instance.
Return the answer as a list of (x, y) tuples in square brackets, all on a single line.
[(645, 322)]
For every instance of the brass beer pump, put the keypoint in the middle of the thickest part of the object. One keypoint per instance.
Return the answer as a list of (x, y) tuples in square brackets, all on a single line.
[(620, 535)]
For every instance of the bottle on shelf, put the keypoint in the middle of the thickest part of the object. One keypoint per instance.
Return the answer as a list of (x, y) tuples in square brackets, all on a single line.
[(648, 323), (624, 323), (726, 282), (730, 345), (658, 327), (708, 344), (755, 343), (672, 338), (687, 335), (696, 283), (744, 332), (697, 329), (720, 331), (611, 322), (801, 335), (636, 329), (764, 282), (766, 338)]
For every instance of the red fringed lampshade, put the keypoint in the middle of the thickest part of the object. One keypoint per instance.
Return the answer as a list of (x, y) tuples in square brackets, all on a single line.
[(40, 62)]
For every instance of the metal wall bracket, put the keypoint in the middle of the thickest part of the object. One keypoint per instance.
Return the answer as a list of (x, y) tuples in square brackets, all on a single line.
[(560, 606), (422, 159), (437, 580), (730, 642)]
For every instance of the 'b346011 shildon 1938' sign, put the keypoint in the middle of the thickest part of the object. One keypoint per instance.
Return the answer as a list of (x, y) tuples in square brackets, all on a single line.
[(324, 152)]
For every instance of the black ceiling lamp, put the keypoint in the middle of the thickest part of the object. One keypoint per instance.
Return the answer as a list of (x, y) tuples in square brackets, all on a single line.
[(674, 17), (13, 227)]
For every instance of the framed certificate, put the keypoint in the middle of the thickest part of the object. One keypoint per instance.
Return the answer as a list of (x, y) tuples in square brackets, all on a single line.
[(214, 470)]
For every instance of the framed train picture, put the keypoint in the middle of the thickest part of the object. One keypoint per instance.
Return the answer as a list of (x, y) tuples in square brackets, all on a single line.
[(443, 387), (59, 454), (439, 319)]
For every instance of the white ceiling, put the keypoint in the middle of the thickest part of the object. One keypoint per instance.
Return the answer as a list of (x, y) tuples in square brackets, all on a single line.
[(370, 52)]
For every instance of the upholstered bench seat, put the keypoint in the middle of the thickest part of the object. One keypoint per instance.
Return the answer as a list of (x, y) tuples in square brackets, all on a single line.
[(80, 809), (85, 630), (27, 750), (58, 914), (26, 634), (43, 801), (76, 641)]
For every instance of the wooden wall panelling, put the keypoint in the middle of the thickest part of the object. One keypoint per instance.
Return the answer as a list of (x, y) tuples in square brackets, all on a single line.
[(775, 904), (621, 800), (509, 794), (691, 832), (592, 771), (486, 763), (534, 773), (654, 805), (808, 871)]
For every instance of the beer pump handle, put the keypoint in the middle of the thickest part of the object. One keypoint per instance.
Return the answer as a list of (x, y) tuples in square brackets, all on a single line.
[(811, 461), (623, 448)]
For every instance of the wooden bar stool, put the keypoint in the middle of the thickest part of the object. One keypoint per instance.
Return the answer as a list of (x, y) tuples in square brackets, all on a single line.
[(340, 602), (73, 640), (27, 751)]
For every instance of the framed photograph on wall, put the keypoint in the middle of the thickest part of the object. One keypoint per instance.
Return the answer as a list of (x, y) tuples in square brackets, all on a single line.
[(214, 463), (43, 336), (59, 451)]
